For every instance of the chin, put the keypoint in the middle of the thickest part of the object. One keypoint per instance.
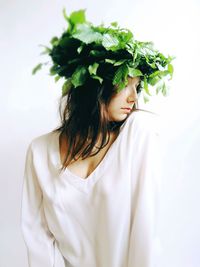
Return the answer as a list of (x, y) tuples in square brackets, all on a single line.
[(120, 117)]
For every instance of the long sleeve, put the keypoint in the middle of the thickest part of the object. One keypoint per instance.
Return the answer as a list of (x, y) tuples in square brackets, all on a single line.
[(38, 239), (145, 246)]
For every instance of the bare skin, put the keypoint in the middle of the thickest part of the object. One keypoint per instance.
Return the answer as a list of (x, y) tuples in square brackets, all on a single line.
[(125, 98), (83, 168)]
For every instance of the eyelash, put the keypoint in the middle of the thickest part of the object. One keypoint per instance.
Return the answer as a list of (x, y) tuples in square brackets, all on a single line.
[(138, 88)]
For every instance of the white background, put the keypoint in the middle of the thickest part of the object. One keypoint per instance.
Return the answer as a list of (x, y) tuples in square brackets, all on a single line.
[(29, 107)]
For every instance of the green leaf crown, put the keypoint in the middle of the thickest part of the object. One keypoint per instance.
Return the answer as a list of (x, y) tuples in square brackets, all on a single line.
[(85, 51)]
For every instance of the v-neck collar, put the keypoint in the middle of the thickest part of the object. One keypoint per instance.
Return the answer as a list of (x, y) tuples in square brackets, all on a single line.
[(84, 184)]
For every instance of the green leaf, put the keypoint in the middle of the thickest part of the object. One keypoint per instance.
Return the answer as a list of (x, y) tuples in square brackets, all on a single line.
[(134, 72), (105, 53), (112, 61), (114, 24), (96, 53), (70, 26), (109, 41), (165, 89), (36, 68), (97, 77), (154, 74), (79, 76), (152, 81), (57, 78), (54, 40), (93, 68), (159, 87), (171, 70), (159, 73), (65, 15), (146, 88), (53, 70), (120, 74), (77, 17), (121, 85), (119, 62), (159, 66), (86, 34), (145, 97), (135, 54), (66, 86), (80, 48), (47, 50)]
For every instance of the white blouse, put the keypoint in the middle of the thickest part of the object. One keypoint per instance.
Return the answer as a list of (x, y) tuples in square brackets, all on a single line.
[(109, 219)]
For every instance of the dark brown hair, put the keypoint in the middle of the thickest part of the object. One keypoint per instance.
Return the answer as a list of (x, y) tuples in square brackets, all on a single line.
[(83, 114)]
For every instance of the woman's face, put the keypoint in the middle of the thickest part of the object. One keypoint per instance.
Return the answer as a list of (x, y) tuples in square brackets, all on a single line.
[(126, 98)]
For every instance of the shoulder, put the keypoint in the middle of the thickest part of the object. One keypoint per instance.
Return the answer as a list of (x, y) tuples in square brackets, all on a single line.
[(145, 121), (40, 142)]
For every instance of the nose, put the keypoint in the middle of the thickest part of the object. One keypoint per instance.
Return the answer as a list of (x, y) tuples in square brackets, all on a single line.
[(132, 96), (132, 99)]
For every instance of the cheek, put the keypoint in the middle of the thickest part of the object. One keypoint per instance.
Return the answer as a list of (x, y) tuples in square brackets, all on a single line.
[(116, 101), (113, 104)]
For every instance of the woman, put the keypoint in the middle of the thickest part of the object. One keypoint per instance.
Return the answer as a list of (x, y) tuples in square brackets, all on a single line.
[(101, 210), (91, 187)]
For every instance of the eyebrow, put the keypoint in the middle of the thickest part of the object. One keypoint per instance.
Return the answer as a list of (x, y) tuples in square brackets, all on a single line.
[(137, 83)]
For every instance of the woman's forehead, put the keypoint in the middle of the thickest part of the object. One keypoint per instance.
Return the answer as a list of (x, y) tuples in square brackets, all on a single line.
[(133, 79)]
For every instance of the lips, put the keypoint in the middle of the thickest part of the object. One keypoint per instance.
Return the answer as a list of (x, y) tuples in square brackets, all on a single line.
[(127, 109)]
